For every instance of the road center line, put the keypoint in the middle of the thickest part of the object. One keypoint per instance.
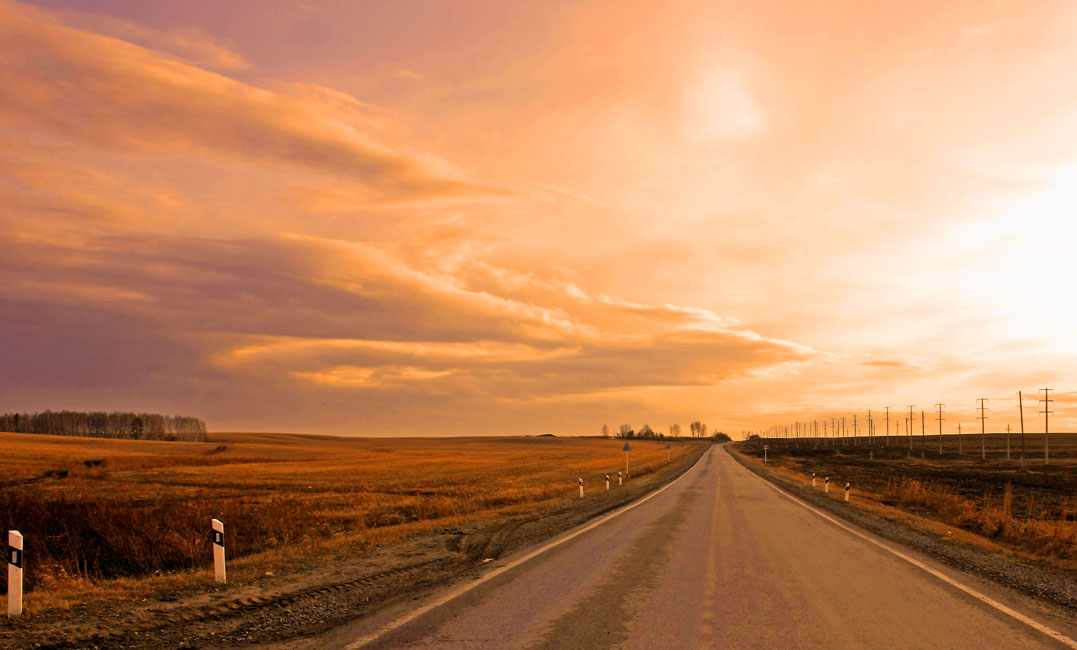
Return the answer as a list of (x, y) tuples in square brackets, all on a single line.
[(1036, 625), (463, 589)]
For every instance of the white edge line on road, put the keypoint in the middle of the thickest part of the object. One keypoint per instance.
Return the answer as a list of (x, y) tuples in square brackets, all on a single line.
[(1036, 625), (459, 591)]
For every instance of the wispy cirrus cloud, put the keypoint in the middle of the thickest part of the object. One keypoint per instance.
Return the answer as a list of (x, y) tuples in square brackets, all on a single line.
[(115, 94), (188, 44)]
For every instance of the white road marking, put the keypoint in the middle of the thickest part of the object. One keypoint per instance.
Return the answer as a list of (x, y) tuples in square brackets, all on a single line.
[(459, 591), (1036, 625)]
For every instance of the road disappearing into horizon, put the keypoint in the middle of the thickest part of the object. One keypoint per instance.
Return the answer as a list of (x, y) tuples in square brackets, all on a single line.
[(719, 558)]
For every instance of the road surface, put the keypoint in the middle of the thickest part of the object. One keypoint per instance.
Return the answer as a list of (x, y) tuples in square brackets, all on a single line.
[(719, 559)]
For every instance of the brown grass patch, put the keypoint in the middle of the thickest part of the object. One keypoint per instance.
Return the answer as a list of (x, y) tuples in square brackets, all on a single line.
[(1030, 511)]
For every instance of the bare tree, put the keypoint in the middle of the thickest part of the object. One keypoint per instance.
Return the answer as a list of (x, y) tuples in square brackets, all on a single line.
[(605, 431), (624, 431)]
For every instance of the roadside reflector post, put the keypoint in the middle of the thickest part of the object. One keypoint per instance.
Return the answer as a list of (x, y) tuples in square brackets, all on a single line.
[(765, 447), (847, 486), (813, 479), (826, 485), (14, 573), (581, 487), (667, 453), (620, 480), (218, 551), (607, 482)]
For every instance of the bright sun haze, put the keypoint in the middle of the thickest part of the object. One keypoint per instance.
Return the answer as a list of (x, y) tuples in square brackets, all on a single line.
[(375, 218)]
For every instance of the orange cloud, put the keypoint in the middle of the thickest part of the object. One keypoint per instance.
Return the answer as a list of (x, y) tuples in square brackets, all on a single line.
[(735, 213), (112, 93), (188, 44), (345, 315)]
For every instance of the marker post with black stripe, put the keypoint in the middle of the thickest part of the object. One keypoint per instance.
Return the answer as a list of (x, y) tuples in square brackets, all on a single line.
[(14, 573), (218, 550)]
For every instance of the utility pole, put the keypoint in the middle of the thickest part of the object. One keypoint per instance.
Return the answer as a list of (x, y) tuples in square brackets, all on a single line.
[(856, 441), (843, 431), (959, 451), (871, 438), (940, 405), (923, 436), (909, 431), (887, 426), (1021, 407), (983, 416), (1046, 411)]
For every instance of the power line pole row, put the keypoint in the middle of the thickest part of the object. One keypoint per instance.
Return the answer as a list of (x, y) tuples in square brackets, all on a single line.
[(834, 429)]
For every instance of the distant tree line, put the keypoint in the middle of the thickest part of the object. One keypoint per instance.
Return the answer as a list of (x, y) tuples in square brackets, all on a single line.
[(98, 424), (698, 429)]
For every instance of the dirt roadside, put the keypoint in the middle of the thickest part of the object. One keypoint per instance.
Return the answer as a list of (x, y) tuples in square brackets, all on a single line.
[(1050, 585), (319, 593)]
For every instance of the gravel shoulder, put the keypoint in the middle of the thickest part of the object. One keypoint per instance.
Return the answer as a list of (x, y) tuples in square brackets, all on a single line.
[(320, 593), (1052, 586)]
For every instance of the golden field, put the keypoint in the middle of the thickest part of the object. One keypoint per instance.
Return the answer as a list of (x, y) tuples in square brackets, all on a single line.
[(103, 515)]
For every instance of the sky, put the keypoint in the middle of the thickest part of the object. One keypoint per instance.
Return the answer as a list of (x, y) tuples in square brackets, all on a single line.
[(447, 218)]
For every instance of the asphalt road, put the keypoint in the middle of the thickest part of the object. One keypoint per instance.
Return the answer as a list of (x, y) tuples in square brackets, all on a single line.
[(719, 559)]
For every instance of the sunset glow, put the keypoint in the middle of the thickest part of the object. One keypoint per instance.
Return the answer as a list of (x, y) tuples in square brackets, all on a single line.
[(518, 217)]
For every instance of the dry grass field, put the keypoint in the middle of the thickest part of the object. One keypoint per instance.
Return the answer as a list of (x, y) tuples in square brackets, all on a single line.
[(105, 516), (1031, 511)]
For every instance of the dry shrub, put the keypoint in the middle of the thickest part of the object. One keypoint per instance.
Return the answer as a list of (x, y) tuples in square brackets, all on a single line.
[(71, 537), (1046, 537)]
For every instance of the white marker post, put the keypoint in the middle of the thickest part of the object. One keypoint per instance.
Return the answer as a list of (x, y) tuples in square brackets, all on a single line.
[(667, 453), (813, 479), (826, 485), (620, 479), (218, 550), (765, 447), (14, 573), (581, 487), (607, 482), (847, 492)]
